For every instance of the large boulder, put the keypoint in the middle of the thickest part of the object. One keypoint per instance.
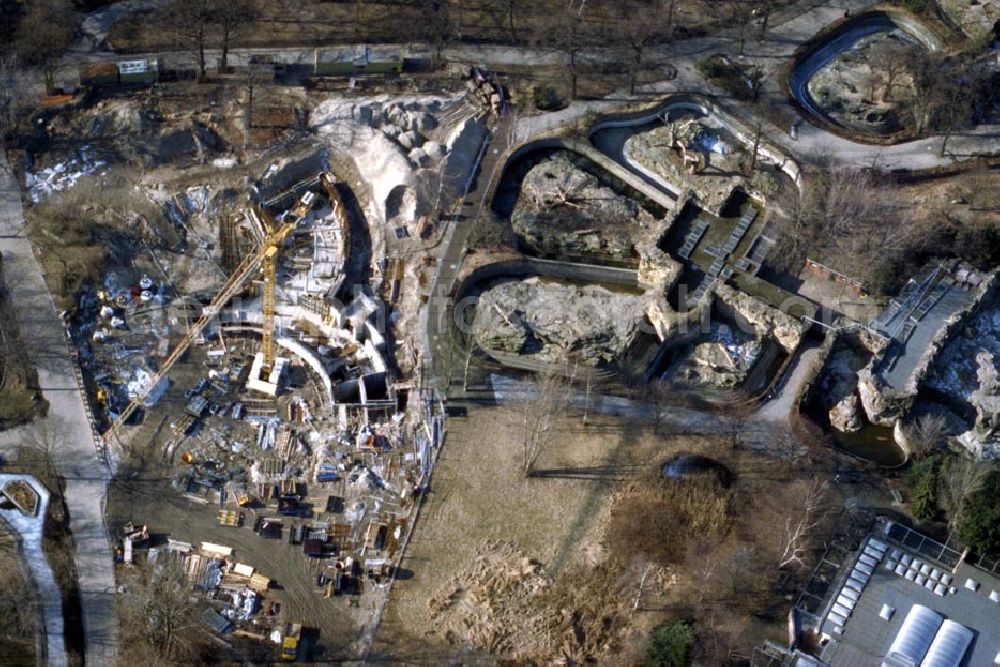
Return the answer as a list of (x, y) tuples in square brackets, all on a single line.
[(845, 416)]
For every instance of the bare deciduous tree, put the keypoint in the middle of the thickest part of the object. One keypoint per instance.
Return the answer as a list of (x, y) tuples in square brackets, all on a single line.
[(757, 75), (758, 134), (162, 614), (10, 95), (739, 13), (488, 232), (926, 434), (189, 20), (18, 609), (859, 224), (570, 34), (961, 478), (539, 409), (232, 17), (636, 33), (797, 532), (891, 58), (45, 32), (46, 440), (436, 27), (873, 79)]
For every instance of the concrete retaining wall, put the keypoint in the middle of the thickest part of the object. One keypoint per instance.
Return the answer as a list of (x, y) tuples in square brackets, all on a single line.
[(706, 107), (528, 266), (827, 45)]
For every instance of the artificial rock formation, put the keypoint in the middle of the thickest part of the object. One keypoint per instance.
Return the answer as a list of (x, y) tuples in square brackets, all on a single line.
[(554, 322), (845, 416), (766, 320), (565, 211), (983, 439)]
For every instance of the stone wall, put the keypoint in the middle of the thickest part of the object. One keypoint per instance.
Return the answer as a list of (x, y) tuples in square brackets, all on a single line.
[(765, 319)]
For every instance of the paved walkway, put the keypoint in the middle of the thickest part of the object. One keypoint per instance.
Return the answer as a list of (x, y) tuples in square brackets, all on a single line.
[(782, 40), (438, 341), (86, 477), (28, 530)]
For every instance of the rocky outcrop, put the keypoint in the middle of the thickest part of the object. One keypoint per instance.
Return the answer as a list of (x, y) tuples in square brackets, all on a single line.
[(766, 320), (565, 211), (882, 406), (657, 269), (983, 439), (845, 416), (551, 321)]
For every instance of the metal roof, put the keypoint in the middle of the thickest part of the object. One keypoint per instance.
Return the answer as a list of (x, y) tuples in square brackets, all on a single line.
[(949, 645), (916, 634)]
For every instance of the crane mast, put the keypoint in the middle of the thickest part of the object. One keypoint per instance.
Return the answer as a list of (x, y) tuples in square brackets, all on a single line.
[(270, 266), (273, 235), (270, 234)]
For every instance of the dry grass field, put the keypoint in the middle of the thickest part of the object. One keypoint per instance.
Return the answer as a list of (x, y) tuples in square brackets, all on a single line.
[(504, 567)]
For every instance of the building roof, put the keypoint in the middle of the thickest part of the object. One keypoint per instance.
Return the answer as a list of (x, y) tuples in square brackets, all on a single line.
[(937, 621), (916, 635), (949, 645)]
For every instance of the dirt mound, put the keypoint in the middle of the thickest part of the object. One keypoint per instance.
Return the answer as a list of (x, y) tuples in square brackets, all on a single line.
[(506, 604), (489, 605)]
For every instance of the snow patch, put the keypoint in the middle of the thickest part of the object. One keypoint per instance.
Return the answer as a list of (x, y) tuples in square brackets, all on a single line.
[(63, 175)]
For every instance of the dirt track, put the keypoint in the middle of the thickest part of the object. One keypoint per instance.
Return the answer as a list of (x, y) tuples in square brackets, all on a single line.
[(150, 500)]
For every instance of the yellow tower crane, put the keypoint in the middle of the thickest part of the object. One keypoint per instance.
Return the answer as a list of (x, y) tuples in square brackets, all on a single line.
[(271, 235), (275, 234)]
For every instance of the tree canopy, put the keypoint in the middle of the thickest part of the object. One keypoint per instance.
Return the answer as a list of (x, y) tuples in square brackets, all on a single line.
[(980, 525), (670, 645)]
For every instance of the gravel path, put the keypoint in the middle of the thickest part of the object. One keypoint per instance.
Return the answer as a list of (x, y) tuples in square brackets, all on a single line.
[(86, 477)]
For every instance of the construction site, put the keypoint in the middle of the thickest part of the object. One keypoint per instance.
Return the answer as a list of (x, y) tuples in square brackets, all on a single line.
[(279, 416), (493, 353), (237, 337)]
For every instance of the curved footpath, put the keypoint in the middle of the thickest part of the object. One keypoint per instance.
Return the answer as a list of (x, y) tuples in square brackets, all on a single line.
[(86, 477), (29, 530), (773, 53)]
